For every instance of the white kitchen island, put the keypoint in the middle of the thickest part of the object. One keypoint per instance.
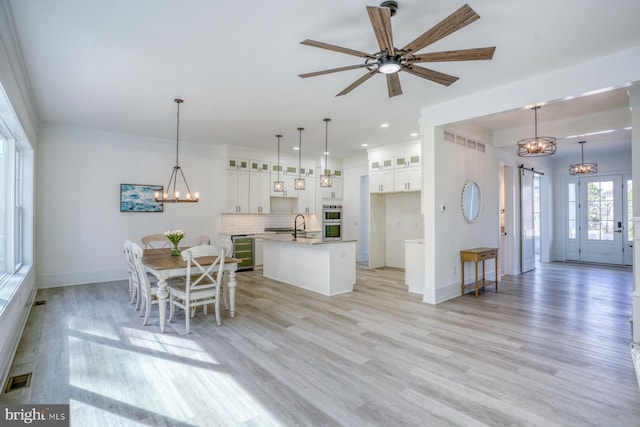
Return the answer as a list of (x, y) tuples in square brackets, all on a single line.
[(325, 267)]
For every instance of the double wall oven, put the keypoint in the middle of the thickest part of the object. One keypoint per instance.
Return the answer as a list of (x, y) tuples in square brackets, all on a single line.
[(332, 222)]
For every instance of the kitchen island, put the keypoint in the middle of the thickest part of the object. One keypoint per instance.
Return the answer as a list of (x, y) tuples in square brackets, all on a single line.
[(325, 267)]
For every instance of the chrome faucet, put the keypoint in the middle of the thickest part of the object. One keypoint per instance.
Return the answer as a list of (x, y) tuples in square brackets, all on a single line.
[(295, 226)]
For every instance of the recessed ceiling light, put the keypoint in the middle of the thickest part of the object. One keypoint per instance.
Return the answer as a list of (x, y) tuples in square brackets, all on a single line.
[(326, 153), (296, 148), (384, 125), (365, 145), (414, 134)]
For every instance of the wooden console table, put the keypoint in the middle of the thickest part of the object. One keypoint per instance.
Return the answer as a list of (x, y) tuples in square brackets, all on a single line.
[(476, 255)]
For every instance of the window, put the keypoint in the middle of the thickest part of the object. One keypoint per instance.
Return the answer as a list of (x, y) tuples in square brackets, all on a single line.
[(4, 180), (16, 159), (572, 210), (600, 210)]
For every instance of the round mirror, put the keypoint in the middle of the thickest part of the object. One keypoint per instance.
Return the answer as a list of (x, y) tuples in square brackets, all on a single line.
[(471, 201)]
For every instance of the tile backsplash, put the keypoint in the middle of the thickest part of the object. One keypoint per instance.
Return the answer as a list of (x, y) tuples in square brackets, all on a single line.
[(250, 223)]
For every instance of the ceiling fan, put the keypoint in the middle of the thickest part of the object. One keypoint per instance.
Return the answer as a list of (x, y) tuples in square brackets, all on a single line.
[(390, 60)]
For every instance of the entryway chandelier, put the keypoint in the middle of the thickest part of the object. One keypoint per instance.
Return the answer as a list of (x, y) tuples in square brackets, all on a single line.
[(173, 180), (583, 168), (537, 146), (326, 180)]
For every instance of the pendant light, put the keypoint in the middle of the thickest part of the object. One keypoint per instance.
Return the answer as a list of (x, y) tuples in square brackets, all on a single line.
[(583, 168), (173, 180), (326, 180), (298, 183), (278, 186), (537, 146)]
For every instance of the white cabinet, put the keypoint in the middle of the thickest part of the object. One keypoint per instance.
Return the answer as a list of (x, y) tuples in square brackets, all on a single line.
[(257, 252), (260, 192), (336, 189), (406, 169), (381, 181), (307, 197), (407, 179), (381, 172), (414, 265), (237, 188), (395, 168), (288, 174)]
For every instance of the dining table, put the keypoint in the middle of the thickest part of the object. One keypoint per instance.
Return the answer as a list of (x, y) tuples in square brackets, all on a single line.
[(164, 266)]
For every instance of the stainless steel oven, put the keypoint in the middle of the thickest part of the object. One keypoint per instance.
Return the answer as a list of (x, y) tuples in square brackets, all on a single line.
[(331, 213), (331, 231)]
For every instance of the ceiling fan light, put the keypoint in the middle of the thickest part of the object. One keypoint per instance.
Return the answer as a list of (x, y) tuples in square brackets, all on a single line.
[(389, 64)]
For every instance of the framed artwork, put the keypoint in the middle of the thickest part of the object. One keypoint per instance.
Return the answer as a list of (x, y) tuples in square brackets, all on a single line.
[(140, 198)]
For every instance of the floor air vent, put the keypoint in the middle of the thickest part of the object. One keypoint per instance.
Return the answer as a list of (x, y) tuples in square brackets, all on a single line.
[(42, 302), (18, 382)]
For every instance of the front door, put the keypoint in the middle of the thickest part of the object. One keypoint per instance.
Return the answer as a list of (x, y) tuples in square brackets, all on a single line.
[(595, 220)]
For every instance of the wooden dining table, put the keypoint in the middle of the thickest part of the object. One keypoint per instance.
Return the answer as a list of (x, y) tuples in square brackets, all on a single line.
[(161, 264)]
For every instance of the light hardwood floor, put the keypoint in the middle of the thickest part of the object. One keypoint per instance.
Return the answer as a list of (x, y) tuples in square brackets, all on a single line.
[(550, 348)]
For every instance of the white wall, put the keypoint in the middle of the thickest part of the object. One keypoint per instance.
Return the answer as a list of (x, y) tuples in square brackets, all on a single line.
[(79, 224), (455, 164)]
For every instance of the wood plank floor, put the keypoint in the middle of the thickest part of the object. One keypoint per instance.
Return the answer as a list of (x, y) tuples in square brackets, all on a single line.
[(550, 348)]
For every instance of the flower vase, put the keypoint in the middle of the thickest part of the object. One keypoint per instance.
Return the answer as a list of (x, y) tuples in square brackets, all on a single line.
[(175, 250)]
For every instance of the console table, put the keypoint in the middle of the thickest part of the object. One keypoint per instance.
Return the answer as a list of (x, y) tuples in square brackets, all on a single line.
[(476, 255)]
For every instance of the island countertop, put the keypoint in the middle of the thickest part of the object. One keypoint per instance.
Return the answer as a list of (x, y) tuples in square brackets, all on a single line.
[(285, 238)]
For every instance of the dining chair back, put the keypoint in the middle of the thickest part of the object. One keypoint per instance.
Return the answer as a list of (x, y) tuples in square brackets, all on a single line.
[(148, 293), (131, 271), (203, 240), (201, 285), (154, 241)]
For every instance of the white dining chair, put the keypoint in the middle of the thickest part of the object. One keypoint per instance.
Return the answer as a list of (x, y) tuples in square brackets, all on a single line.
[(155, 241), (148, 294), (131, 271), (202, 284), (203, 240)]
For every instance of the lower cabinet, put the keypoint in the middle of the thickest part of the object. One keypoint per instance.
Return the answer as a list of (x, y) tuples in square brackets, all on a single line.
[(257, 251)]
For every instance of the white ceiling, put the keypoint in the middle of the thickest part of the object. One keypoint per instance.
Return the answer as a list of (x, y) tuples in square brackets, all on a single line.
[(117, 65)]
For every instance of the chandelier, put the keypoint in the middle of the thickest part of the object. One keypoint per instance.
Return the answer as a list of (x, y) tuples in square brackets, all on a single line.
[(325, 179), (278, 186), (583, 168), (298, 183), (173, 180), (537, 146)]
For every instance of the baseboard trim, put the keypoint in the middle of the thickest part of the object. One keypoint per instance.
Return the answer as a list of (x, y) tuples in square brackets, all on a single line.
[(80, 278)]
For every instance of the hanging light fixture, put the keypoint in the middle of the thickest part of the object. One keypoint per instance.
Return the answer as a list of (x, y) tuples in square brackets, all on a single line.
[(278, 186), (173, 180), (583, 168), (538, 145), (326, 180), (298, 183)]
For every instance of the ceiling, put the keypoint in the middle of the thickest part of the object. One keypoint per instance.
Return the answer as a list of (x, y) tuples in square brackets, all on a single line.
[(117, 65)]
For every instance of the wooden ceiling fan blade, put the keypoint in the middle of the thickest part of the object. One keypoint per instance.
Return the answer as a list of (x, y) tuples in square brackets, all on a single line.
[(335, 48), (358, 82), (332, 70), (380, 18), (429, 74), (457, 20), (393, 85), (480, 53)]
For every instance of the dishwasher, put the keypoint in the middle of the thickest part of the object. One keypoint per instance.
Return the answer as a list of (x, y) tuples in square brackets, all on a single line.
[(243, 249)]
